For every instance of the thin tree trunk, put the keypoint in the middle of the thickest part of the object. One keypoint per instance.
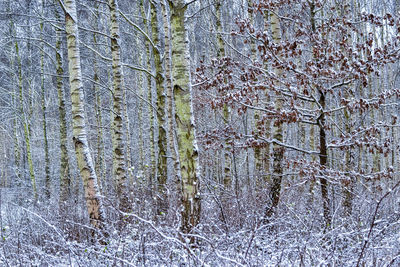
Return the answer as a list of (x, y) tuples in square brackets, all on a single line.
[(100, 162), (348, 184), (84, 159), (46, 143), (323, 155), (161, 101), (128, 148), (323, 159), (278, 151), (313, 159), (140, 114), (119, 168), (65, 178), (25, 123), (172, 141), (227, 180), (17, 149), (152, 168), (100, 157), (262, 155), (227, 162)]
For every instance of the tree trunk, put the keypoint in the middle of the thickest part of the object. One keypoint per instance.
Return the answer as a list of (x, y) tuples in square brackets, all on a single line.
[(171, 139), (323, 159), (151, 169), (161, 100), (44, 125), (262, 155), (65, 178), (26, 124), (227, 179), (83, 156), (187, 146), (323, 155), (119, 168), (100, 157), (278, 151), (17, 148)]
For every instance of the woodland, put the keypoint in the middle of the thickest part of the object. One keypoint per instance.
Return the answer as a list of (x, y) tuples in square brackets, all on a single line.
[(199, 133)]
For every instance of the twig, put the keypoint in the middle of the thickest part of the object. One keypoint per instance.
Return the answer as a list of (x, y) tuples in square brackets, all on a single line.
[(373, 222)]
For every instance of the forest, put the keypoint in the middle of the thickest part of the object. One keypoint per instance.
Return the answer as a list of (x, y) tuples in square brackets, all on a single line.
[(199, 133)]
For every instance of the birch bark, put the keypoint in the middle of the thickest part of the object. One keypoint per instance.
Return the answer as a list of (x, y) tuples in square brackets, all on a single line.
[(65, 179), (84, 159), (161, 100), (25, 123), (119, 167), (44, 125), (187, 147), (278, 151)]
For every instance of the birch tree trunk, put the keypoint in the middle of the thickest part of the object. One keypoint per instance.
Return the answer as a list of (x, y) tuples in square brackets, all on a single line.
[(17, 148), (151, 169), (227, 180), (25, 124), (100, 165), (172, 141), (44, 125), (128, 147), (348, 184), (83, 156), (278, 151), (262, 155), (224, 203), (161, 100), (119, 168), (141, 79), (65, 178), (187, 147)]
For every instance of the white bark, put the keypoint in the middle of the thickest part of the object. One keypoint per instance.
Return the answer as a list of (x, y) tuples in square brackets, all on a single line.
[(84, 158)]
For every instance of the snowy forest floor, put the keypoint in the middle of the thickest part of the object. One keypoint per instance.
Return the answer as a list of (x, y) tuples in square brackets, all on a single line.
[(35, 235)]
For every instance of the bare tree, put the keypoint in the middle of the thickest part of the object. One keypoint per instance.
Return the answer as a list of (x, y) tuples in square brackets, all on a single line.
[(83, 156)]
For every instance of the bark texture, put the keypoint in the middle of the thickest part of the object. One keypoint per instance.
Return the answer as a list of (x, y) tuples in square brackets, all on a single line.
[(161, 116), (278, 151), (83, 156), (26, 124), (187, 147), (65, 178), (119, 167), (44, 125)]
